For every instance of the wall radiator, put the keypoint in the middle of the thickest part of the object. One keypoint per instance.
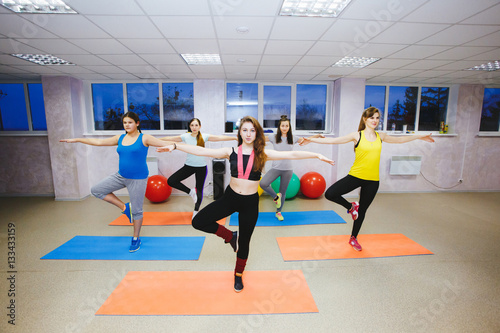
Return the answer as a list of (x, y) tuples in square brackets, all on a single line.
[(405, 165)]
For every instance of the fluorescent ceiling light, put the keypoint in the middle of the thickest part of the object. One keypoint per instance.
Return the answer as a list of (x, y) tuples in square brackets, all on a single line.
[(201, 59), (313, 8), (43, 59), (38, 6), (358, 62), (490, 66)]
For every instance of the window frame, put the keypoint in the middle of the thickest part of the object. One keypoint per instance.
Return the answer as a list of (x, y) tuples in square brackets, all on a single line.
[(487, 133), (293, 103), (90, 127), (30, 131), (417, 111)]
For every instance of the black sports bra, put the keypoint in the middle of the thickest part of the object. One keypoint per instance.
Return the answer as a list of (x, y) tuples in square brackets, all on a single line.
[(233, 161)]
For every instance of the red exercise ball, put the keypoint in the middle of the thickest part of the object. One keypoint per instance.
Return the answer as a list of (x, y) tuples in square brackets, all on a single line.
[(312, 185), (158, 190)]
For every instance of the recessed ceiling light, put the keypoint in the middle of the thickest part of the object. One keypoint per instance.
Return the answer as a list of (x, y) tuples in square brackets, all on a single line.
[(38, 6), (313, 8), (490, 66), (242, 30), (357, 62), (201, 59), (43, 59)]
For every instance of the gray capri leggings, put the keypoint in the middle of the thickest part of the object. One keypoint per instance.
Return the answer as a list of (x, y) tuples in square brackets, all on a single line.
[(270, 176), (136, 190)]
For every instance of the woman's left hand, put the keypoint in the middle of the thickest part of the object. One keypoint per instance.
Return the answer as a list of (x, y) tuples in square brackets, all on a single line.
[(167, 148), (427, 138), (325, 159)]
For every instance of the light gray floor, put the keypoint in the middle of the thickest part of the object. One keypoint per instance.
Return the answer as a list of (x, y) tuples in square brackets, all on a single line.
[(455, 290)]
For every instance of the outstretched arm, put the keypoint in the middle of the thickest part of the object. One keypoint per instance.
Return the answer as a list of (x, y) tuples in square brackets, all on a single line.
[(296, 155), (403, 139), (221, 138), (302, 141), (196, 150), (171, 138), (150, 140), (113, 141), (352, 137)]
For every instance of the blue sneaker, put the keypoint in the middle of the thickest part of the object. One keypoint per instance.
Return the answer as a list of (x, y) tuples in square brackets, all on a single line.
[(136, 245), (128, 212)]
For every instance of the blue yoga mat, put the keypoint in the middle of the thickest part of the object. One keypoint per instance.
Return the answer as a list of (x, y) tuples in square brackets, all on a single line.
[(269, 219), (116, 248)]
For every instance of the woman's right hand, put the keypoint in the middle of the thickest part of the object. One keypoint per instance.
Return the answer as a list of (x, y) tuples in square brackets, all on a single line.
[(325, 159), (167, 148), (68, 140), (305, 141)]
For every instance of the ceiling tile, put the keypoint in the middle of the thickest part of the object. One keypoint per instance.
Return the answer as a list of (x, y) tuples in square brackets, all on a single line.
[(379, 10), (489, 40), (299, 28), (74, 70), (39, 69), (140, 69), (175, 7), (123, 59), (233, 46), (124, 76), (232, 60), (279, 60), (330, 49), (14, 26), (391, 63), (54, 46), (459, 34), (85, 59), (241, 69), (407, 33), (376, 50), (163, 59), (488, 16), (199, 69), (418, 52), (182, 76), (458, 65), (273, 76), (274, 69), (355, 32), (174, 69), (108, 7), (447, 11), (9, 45), (317, 61), (185, 26), (309, 70), (106, 69), (11, 70), (299, 77), (402, 72), (258, 27), (460, 52), (288, 47), (126, 26), (94, 76), (225, 8), (339, 71), (195, 45), (145, 45), (426, 64), (68, 26), (101, 46), (487, 56)]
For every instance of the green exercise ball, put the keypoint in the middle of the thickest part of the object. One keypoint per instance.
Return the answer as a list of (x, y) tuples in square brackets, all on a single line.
[(293, 186)]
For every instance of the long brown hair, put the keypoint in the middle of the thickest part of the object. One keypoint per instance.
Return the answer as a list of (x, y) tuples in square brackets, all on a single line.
[(289, 136), (258, 145), (199, 138), (367, 114)]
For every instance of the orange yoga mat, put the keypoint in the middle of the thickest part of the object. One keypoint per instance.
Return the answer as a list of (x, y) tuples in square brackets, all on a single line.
[(209, 293), (337, 247), (162, 218)]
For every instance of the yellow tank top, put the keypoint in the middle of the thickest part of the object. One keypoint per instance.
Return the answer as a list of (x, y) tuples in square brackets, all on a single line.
[(367, 162)]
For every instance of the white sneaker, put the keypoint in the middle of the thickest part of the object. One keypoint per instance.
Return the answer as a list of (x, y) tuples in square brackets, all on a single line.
[(193, 195)]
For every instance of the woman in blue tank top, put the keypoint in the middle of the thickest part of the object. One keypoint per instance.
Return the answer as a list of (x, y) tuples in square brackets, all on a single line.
[(241, 195), (196, 165), (132, 171)]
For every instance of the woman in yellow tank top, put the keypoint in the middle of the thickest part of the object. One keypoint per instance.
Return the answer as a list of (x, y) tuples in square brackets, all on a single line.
[(364, 172)]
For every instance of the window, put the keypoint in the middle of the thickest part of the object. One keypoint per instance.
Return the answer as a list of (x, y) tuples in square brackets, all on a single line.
[(490, 115), (241, 100), (419, 108), (375, 96), (22, 107), (178, 105), (143, 99), (107, 99), (277, 102), (311, 107), (304, 104)]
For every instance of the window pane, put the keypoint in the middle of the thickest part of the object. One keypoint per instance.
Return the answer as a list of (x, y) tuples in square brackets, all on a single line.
[(13, 116), (178, 105), (37, 107), (241, 100), (277, 102), (107, 99), (491, 109), (143, 99), (311, 107), (402, 107), (433, 107), (375, 96)]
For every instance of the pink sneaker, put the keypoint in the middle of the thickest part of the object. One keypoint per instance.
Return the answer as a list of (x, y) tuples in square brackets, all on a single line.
[(354, 243), (354, 210)]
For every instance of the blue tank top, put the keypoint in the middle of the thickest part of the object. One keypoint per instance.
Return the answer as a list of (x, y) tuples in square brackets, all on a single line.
[(132, 164)]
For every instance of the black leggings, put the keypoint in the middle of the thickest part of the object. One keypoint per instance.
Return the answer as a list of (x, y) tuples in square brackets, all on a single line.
[(183, 173), (246, 205), (347, 184)]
